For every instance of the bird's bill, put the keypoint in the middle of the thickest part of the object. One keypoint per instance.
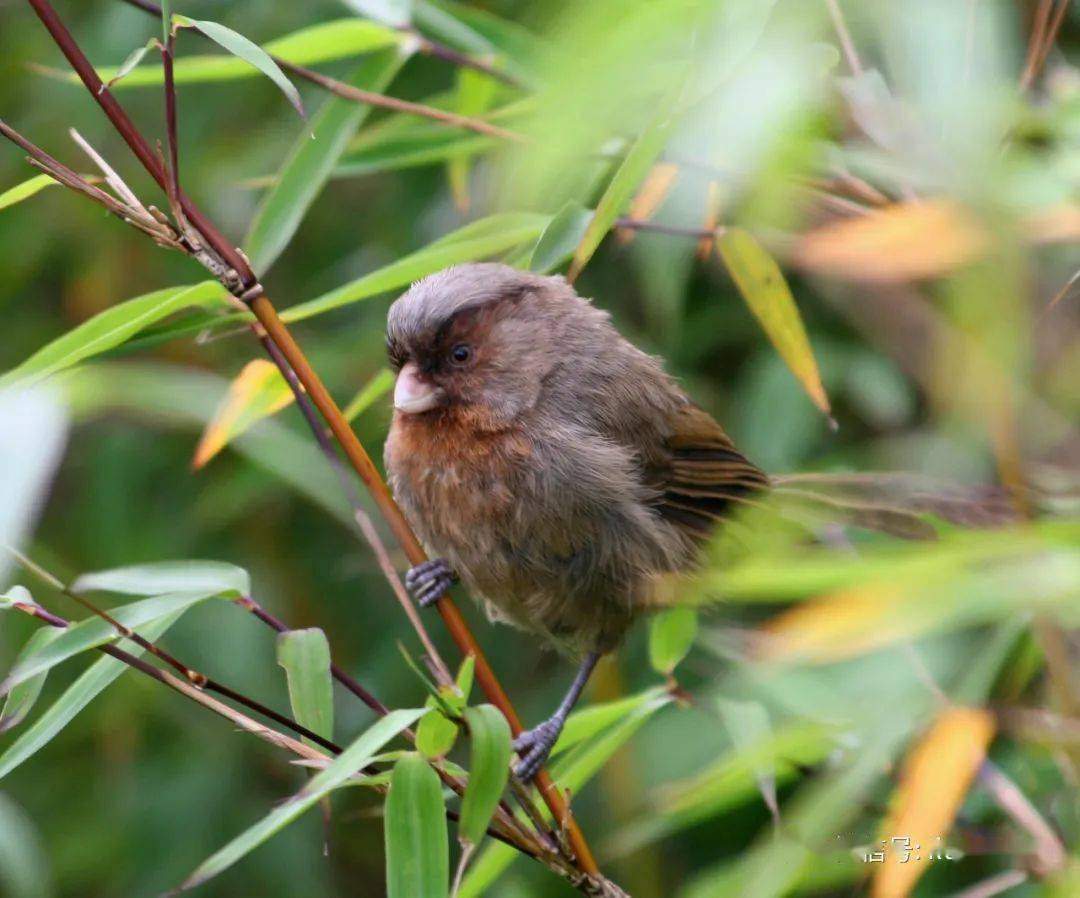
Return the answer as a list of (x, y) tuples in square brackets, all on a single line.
[(413, 394)]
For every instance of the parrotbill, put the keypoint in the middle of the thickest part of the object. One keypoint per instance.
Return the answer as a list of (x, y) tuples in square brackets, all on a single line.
[(547, 462)]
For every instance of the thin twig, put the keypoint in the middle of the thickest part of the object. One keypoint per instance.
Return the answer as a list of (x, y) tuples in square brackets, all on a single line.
[(844, 36), (995, 885), (1035, 42), (1050, 853)]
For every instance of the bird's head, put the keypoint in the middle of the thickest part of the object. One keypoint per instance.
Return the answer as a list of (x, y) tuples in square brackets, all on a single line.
[(475, 341)]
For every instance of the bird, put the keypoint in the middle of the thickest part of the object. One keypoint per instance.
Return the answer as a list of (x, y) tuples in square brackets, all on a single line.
[(548, 463)]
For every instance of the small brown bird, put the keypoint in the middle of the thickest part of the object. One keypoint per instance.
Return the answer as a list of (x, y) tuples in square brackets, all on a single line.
[(553, 466)]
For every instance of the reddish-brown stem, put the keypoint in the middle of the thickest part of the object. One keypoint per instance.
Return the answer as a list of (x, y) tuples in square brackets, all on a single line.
[(250, 291), (170, 119)]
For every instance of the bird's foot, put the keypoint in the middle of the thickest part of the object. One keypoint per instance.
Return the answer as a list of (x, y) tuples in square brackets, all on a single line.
[(533, 747), (427, 581)]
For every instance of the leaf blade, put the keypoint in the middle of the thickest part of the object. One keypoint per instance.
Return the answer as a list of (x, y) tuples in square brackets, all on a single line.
[(489, 770), (305, 656), (769, 298), (417, 847), (355, 756), (254, 55), (312, 160), (25, 190)]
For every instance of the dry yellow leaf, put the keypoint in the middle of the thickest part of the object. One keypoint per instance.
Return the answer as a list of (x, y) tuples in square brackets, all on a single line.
[(257, 392), (842, 625), (934, 780), (903, 242), (652, 194), (712, 218)]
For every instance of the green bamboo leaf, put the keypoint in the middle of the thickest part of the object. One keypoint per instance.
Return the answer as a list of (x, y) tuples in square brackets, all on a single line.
[(31, 445), (24, 866), (560, 238), (22, 698), (417, 847), (133, 59), (312, 160), (628, 176), (95, 631), (410, 152), (671, 634), (305, 655), (436, 733), (324, 42), (251, 53), (766, 292), (588, 722), (729, 782), (474, 96), (76, 697), (25, 190), (380, 383), (112, 327), (747, 723), (572, 773), (338, 772), (489, 770), (478, 240), (395, 13), (159, 577)]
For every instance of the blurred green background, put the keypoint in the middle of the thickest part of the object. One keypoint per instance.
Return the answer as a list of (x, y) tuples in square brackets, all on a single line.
[(143, 786)]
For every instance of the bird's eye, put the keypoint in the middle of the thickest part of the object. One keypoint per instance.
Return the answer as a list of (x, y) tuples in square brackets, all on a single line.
[(461, 353)]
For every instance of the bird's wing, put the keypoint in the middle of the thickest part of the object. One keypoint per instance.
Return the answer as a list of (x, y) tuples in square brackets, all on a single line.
[(705, 477)]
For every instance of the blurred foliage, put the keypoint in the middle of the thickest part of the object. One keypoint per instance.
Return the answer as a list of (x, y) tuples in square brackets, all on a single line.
[(818, 681)]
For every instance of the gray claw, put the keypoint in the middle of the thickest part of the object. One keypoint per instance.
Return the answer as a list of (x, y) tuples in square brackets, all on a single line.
[(533, 746), (426, 582)]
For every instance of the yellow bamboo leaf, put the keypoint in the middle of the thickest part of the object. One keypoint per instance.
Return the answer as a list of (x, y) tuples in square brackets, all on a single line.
[(257, 392), (712, 218), (902, 242), (838, 626), (766, 292), (934, 780), (650, 196)]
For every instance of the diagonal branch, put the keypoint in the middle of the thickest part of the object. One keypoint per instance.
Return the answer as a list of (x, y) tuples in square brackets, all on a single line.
[(242, 283)]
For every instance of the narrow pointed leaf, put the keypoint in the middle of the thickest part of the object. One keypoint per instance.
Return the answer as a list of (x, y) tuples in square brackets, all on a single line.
[(337, 773), (324, 42), (76, 697), (624, 182), (934, 781), (95, 631), (560, 238), (436, 733), (22, 698), (651, 195), (585, 723), (25, 190), (25, 869), (312, 160), (671, 634), (766, 292), (747, 723), (395, 13), (305, 655), (381, 383), (478, 240), (31, 444), (257, 392), (417, 846), (251, 53), (475, 94), (133, 59), (159, 577), (110, 328), (489, 770)]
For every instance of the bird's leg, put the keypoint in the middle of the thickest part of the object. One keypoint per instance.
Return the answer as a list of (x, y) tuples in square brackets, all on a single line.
[(533, 746), (427, 581)]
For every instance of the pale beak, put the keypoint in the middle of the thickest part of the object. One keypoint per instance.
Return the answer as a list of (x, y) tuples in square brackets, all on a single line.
[(413, 394)]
